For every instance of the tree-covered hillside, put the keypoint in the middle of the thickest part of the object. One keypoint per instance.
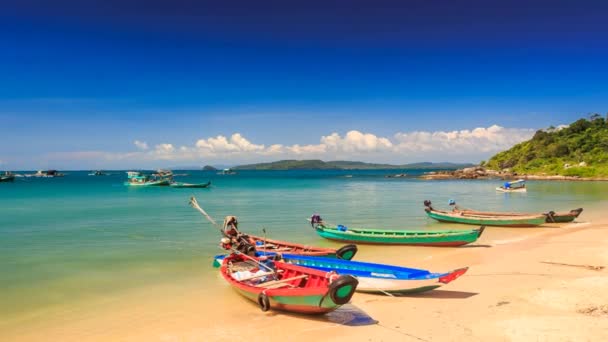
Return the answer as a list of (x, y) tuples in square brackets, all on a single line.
[(581, 149)]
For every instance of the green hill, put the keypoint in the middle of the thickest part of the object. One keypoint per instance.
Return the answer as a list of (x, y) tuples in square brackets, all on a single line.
[(315, 164), (581, 149)]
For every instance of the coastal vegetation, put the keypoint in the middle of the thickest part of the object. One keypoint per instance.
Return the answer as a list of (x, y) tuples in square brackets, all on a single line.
[(316, 164), (579, 149)]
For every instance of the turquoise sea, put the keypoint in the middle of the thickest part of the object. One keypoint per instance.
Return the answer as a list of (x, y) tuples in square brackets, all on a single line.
[(70, 239)]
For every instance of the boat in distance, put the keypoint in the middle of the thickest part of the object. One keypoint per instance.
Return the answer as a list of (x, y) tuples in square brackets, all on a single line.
[(190, 185), (513, 186)]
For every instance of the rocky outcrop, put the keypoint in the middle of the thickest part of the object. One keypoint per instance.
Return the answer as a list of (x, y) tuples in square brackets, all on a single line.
[(476, 172)]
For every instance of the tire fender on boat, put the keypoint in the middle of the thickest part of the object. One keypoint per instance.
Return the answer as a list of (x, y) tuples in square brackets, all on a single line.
[(347, 252), (342, 289), (263, 302)]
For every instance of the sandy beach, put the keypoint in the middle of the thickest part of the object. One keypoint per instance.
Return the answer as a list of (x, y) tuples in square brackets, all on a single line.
[(512, 292)]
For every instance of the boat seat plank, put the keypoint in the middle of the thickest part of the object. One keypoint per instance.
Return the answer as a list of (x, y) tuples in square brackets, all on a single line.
[(268, 284)]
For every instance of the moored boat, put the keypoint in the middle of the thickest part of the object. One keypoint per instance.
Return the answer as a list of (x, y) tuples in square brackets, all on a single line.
[(282, 286), (136, 178), (563, 217), (98, 173), (190, 185), (375, 278), (47, 174), (225, 172), (514, 186), (7, 177), (484, 218), (437, 238)]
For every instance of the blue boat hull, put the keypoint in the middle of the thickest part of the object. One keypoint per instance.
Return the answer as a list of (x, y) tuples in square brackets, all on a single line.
[(377, 278)]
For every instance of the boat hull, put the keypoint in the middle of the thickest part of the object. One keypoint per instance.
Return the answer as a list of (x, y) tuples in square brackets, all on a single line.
[(7, 179), (303, 290), (261, 243), (504, 221), (564, 217), (155, 183), (450, 238), (511, 190), (188, 185), (372, 277)]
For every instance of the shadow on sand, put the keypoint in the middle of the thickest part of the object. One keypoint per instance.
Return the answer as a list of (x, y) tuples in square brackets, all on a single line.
[(476, 246), (347, 315)]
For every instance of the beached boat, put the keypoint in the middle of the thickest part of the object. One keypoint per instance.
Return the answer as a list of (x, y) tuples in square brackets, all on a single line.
[(7, 177), (250, 243), (282, 286), (562, 217), (346, 252), (447, 238), (136, 178), (190, 185), (372, 277), (514, 186), (484, 218)]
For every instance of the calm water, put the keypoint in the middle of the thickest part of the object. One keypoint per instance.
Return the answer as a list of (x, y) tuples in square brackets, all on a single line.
[(72, 238)]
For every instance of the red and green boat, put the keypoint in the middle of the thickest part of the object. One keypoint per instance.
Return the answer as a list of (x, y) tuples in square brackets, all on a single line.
[(262, 244), (287, 287)]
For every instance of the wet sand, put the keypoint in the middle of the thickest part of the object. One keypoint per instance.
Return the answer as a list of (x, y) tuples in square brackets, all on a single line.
[(508, 294)]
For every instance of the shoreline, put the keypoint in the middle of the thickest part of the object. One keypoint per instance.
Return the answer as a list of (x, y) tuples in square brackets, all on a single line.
[(508, 287), (445, 176)]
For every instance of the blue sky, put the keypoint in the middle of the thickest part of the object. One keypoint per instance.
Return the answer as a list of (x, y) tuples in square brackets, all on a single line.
[(80, 82)]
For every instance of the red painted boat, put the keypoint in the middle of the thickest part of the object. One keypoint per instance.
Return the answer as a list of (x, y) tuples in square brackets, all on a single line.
[(346, 252), (287, 287)]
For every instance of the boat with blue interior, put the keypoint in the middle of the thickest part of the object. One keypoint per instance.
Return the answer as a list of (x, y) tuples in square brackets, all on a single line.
[(138, 178)]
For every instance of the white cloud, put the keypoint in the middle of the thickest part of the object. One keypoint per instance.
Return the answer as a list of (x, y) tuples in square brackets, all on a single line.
[(463, 145), (142, 145), (220, 144), (485, 140)]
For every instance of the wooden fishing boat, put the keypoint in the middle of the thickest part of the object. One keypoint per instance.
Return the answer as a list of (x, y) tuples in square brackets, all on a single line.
[(563, 217), (372, 277), (514, 186), (445, 238), (346, 252), (550, 217), (189, 185), (136, 178), (485, 218), (7, 177), (287, 287), (250, 243)]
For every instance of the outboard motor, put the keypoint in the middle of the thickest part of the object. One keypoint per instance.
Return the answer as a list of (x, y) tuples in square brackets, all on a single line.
[(315, 220)]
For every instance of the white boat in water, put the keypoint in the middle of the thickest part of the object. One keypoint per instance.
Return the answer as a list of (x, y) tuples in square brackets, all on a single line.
[(514, 186)]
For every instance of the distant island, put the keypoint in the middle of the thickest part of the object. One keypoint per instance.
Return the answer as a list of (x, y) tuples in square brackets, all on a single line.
[(209, 168), (316, 164), (577, 150)]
